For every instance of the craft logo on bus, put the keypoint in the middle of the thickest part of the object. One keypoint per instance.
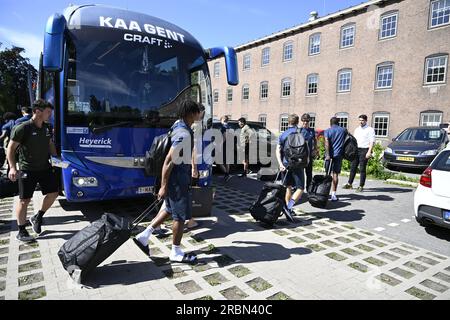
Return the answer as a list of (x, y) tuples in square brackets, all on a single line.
[(151, 29), (95, 143)]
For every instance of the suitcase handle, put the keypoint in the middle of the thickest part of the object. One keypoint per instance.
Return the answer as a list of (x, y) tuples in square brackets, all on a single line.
[(146, 212), (284, 177)]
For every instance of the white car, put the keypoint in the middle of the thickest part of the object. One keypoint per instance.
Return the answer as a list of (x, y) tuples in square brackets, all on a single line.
[(432, 196)]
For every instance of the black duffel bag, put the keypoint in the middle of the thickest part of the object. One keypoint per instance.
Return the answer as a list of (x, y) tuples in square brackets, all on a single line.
[(8, 188)]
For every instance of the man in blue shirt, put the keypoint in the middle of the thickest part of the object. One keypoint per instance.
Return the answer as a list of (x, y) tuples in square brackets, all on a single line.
[(175, 184), (334, 150), (310, 136), (27, 112)]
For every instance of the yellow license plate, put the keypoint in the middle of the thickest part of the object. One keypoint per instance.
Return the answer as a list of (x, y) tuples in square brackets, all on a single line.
[(408, 159)]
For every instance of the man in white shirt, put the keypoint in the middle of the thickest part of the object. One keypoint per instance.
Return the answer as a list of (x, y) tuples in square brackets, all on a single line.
[(365, 136)]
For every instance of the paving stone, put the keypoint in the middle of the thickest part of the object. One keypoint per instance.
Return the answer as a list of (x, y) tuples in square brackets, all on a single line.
[(29, 255), (279, 296), (205, 298), (32, 294), (409, 247), (4, 242), (348, 226), (310, 227), (3, 260), (297, 239), (280, 232), (388, 279), (159, 261), (30, 279), (2, 285), (434, 285), (215, 279), (364, 247), (377, 243), (447, 269), (315, 247), (188, 287), (400, 251), (337, 229), (358, 266), (210, 249), (415, 266), (375, 261), (436, 256), (4, 251), (311, 236), (418, 293), (155, 251), (174, 273), (335, 256), (387, 240), (388, 256), (344, 239), (330, 243), (3, 272), (30, 266), (259, 284), (239, 271), (356, 236), (402, 273), (427, 260), (367, 233), (351, 251), (234, 293), (223, 260), (201, 266), (196, 240), (442, 276), (325, 232)]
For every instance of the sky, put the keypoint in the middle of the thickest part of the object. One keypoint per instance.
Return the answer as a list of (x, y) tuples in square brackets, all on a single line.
[(212, 22)]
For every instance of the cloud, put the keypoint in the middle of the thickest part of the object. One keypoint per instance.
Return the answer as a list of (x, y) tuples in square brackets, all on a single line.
[(32, 44)]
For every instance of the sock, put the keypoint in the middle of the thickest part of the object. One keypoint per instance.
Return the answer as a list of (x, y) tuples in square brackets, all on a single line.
[(145, 235), (41, 213), (291, 204), (177, 254), (333, 194)]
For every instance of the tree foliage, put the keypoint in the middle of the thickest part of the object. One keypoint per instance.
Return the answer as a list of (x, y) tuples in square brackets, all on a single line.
[(14, 79)]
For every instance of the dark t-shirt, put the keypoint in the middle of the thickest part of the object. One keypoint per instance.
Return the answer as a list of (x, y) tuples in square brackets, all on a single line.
[(34, 146), (336, 137)]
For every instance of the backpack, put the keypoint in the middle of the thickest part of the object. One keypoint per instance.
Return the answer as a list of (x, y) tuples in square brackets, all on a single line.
[(155, 157), (350, 147), (296, 150)]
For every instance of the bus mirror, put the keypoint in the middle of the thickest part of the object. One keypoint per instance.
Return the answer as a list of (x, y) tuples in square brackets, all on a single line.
[(54, 43), (230, 62)]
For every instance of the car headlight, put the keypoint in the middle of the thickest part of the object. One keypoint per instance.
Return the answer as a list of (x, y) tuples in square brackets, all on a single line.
[(388, 150), (85, 182), (429, 153)]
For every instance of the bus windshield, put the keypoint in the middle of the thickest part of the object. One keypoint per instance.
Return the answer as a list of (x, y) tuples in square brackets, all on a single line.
[(114, 83)]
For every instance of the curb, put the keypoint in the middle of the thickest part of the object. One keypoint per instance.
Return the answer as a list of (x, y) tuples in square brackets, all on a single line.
[(403, 183)]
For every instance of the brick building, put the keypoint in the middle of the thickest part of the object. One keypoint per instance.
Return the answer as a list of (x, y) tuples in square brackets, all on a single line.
[(384, 58)]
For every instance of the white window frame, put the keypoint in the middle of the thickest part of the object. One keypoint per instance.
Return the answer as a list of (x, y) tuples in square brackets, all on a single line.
[(265, 57), (216, 69), (343, 119), (339, 82), (286, 87), (284, 122), (309, 83), (443, 9), (246, 62), (380, 66), (429, 114), (288, 51), (264, 90), (376, 126), (314, 45), (229, 95), (384, 17), (263, 119), (345, 40), (216, 96), (245, 92), (427, 69)]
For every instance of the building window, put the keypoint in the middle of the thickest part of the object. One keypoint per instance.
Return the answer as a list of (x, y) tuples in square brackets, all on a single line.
[(287, 51), (245, 92), (246, 62), (312, 122), (344, 80), (314, 44), (436, 69), (312, 84), (388, 28), (264, 90), (385, 75), (440, 13), (263, 119), (348, 36), (216, 96), (229, 94), (343, 119), (430, 119), (265, 57), (216, 69), (286, 87), (284, 123), (381, 124)]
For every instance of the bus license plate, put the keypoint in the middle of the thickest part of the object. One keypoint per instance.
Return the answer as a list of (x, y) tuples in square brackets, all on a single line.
[(447, 215), (408, 159), (143, 190)]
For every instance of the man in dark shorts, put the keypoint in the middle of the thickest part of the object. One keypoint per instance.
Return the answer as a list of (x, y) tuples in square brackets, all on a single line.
[(34, 140), (175, 184)]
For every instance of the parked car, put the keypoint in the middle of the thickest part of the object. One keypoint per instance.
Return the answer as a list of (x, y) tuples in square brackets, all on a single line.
[(432, 196), (415, 147)]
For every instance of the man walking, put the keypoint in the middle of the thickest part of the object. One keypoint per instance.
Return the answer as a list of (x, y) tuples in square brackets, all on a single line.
[(365, 136), (175, 184), (245, 138), (310, 137), (224, 127), (35, 140), (334, 149)]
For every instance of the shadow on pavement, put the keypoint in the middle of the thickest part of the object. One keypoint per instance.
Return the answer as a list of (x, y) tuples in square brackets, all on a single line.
[(388, 190), (341, 215), (438, 232), (362, 196)]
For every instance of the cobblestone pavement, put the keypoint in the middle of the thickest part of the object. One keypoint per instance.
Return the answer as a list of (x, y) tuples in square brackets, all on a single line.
[(313, 258)]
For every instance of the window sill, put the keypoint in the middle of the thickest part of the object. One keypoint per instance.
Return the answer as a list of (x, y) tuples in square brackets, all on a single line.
[(383, 89), (434, 85), (432, 28), (387, 38)]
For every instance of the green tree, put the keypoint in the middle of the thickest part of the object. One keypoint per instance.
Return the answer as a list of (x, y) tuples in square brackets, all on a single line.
[(14, 79)]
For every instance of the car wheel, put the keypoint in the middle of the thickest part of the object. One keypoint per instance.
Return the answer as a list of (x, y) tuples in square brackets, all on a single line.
[(422, 222)]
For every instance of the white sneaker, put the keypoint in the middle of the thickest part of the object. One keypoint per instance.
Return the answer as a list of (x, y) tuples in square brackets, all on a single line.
[(334, 198)]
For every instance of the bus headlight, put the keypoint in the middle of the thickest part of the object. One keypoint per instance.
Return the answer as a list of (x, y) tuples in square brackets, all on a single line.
[(203, 174), (85, 182)]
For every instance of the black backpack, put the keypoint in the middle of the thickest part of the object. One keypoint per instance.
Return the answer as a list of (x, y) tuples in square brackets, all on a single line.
[(155, 157), (296, 150), (350, 147)]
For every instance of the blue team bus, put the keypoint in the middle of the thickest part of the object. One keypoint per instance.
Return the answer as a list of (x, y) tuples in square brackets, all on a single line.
[(115, 78)]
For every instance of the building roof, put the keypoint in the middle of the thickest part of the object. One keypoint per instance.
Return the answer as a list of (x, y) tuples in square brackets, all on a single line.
[(310, 24)]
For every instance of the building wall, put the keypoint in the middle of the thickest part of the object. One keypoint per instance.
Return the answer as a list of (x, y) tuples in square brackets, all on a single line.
[(407, 50)]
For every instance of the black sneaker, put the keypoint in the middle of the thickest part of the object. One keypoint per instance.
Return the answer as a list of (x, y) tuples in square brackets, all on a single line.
[(24, 236), (36, 222), (288, 213)]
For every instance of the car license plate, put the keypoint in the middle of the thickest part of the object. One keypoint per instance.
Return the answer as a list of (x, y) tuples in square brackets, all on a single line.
[(408, 159), (144, 190), (447, 215)]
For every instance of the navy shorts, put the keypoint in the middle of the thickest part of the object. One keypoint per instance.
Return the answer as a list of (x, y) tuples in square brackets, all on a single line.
[(336, 166), (179, 203), (28, 180), (295, 178)]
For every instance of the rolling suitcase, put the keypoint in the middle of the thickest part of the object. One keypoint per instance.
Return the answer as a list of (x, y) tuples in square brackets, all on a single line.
[(269, 205), (319, 190), (93, 244)]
